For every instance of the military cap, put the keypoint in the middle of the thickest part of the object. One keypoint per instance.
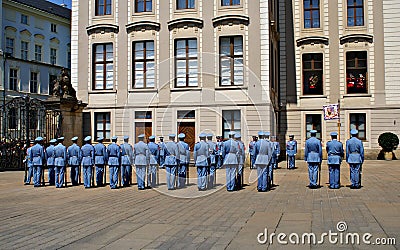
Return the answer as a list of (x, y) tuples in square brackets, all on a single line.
[(75, 138), (61, 138), (126, 137), (152, 137), (161, 137), (88, 138), (53, 141), (141, 136), (114, 138), (171, 135), (32, 141), (39, 138), (260, 133), (232, 132), (334, 134), (313, 131), (273, 136), (202, 135), (237, 135), (354, 131), (267, 133), (291, 136), (181, 135), (100, 138), (209, 135)]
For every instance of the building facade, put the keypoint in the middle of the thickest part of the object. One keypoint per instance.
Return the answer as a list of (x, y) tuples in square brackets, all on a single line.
[(160, 67), (340, 52), (35, 44)]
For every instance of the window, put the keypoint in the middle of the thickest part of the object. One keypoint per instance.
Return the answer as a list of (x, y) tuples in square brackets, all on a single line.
[(311, 14), (143, 65), (103, 66), (103, 7), (143, 115), (13, 80), (12, 118), (231, 122), (52, 80), (184, 114), (38, 53), (53, 28), (313, 121), (143, 5), (231, 60), (355, 13), (103, 125), (143, 128), (24, 19), (24, 50), (357, 121), (185, 4), (53, 56), (313, 74), (186, 63), (10, 46), (230, 2), (33, 83), (356, 72)]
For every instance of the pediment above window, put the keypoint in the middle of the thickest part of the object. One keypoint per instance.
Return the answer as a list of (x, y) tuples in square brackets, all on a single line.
[(142, 25), (25, 32), (102, 28), (230, 20), (185, 22), (39, 36), (312, 40), (355, 38)]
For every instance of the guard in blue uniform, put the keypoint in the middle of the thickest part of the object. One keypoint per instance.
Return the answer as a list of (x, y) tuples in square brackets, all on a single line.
[(252, 150), (171, 156), (50, 156), (126, 162), (74, 157), (212, 161), (184, 159), (334, 150), (114, 154), (276, 152), (100, 159), (141, 159), (87, 161), (220, 150), (291, 151), (241, 159), (231, 150), (263, 154), (28, 161), (355, 158), (60, 161), (313, 157), (153, 171), (161, 152), (270, 173), (38, 158), (201, 154)]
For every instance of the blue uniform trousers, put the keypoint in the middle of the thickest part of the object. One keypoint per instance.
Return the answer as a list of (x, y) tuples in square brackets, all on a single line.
[(334, 175), (99, 175), (202, 178), (59, 176), (211, 178), (252, 161), (74, 174), (30, 174), (292, 161), (219, 161), (87, 176), (152, 176), (126, 173), (230, 177), (270, 175), (113, 177), (37, 174), (140, 175), (239, 177), (171, 172), (262, 180), (162, 160), (274, 162), (355, 174), (313, 173), (182, 175), (52, 175)]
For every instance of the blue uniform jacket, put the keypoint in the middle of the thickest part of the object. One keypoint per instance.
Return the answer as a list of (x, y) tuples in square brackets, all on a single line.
[(184, 152), (291, 148), (50, 156), (354, 150), (252, 149), (334, 149), (313, 150), (201, 153), (153, 150), (230, 152), (37, 155), (213, 151), (126, 154), (263, 152), (171, 154), (60, 152), (100, 154), (74, 155), (114, 154), (28, 157), (87, 155), (220, 148), (141, 155)]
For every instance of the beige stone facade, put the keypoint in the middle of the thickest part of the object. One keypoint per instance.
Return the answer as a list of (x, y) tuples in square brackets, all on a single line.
[(339, 42), (205, 104)]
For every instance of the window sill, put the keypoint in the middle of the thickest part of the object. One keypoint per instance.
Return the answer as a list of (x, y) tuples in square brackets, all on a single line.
[(99, 91), (185, 11), (177, 89), (312, 96), (143, 13), (312, 30), (231, 7), (356, 95), (231, 87), (145, 90)]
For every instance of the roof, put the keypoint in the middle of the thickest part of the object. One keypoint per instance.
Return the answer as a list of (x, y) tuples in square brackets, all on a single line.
[(48, 7)]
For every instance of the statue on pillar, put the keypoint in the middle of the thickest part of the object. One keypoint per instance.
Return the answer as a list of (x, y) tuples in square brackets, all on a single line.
[(63, 87)]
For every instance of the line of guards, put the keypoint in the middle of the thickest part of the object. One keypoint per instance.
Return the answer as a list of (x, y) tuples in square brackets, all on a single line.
[(173, 156)]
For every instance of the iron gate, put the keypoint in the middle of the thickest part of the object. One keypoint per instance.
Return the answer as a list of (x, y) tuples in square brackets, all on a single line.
[(22, 120)]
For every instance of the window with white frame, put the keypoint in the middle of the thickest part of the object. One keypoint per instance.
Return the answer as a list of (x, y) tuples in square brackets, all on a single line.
[(38, 52), (10, 46), (24, 50), (13, 80), (231, 120), (231, 61), (53, 56), (103, 66), (34, 83), (186, 72), (143, 64)]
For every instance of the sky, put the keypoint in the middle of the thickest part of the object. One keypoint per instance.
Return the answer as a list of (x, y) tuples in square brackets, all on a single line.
[(68, 2)]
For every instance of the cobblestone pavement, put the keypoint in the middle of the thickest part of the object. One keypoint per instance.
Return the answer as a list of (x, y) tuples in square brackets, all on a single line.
[(78, 218)]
